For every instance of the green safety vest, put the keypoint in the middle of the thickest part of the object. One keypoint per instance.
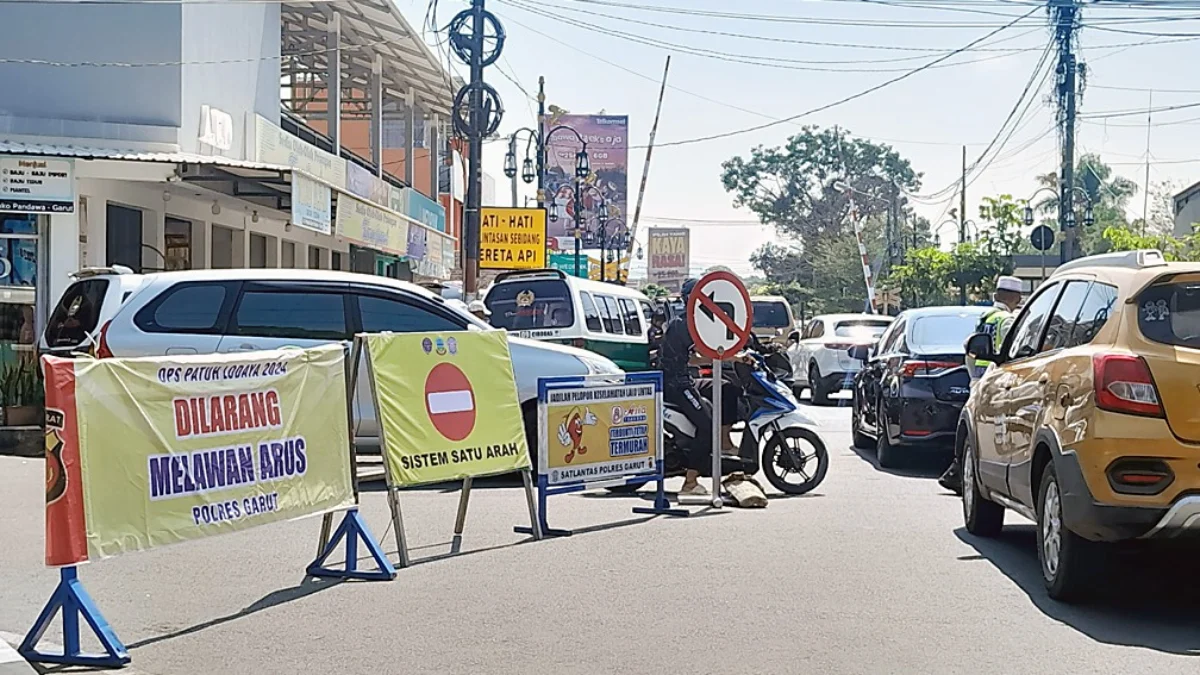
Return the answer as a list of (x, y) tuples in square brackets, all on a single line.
[(994, 323)]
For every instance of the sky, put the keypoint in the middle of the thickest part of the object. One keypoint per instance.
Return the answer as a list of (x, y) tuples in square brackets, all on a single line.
[(927, 118)]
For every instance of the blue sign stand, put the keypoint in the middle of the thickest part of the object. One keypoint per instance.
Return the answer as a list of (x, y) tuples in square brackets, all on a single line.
[(74, 602), (662, 506), (351, 530)]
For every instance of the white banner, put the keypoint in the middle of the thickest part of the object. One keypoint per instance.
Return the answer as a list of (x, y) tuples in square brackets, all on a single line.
[(312, 204)]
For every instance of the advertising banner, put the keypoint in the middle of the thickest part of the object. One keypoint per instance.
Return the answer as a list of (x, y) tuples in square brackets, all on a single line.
[(273, 145), (668, 256), (367, 185), (512, 239), (607, 139), (424, 210), (417, 237), (366, 224), (146, 452), (312, 204), (447, 405), (595, 433), (37, 185)]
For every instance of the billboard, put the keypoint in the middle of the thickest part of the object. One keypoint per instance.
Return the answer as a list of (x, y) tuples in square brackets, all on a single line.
[(512, 239), (607, 139), (668, 256)]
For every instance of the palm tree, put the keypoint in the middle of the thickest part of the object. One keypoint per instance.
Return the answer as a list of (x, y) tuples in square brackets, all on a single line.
[(1096, 179)]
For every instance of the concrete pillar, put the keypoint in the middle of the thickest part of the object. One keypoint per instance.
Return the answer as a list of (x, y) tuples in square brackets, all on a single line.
[(435, 166), (241, 248), (376, 95), (333, 82), (202, 244), (410, 135)]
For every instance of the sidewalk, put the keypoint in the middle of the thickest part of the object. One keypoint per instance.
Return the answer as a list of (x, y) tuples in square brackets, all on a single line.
[(11, 662)]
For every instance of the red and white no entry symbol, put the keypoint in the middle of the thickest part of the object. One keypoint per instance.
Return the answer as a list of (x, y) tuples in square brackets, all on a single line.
[(450, 401), (719, 315)]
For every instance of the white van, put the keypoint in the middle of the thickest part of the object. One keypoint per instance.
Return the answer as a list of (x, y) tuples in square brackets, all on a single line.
[(232, 310), (548, 305)]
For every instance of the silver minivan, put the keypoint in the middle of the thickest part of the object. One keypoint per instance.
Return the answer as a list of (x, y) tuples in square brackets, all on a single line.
[(233, 310)]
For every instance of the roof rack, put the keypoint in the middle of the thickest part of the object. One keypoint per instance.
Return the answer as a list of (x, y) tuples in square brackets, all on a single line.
[(1139, 259), (97, 271)]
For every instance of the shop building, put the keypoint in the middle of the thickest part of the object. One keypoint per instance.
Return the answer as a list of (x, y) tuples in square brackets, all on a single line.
[(166, 136)]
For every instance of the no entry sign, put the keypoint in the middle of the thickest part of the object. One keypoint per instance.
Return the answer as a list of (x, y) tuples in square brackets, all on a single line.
[(719, 315), (450, 401)]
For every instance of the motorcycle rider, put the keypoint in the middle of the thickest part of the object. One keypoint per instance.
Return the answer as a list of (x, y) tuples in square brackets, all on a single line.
[(995, 323), (679, 389)]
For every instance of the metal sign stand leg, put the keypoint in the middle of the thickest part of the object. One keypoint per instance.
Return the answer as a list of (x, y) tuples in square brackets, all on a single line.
[(460, 521), (537, 510), (717, 502), (74, 601), (398, 526)]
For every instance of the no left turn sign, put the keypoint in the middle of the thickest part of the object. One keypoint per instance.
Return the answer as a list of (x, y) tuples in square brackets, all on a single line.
[(719, 315)]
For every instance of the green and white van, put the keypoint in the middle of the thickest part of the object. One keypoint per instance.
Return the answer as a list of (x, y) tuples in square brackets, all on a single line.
[(548, 305)]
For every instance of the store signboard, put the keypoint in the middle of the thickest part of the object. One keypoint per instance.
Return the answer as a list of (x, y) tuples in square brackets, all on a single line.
[(668, 255), (417, 237), (424, 210), (368, 225), (37, 184), (312, 204), (273, 145), (367, 185)]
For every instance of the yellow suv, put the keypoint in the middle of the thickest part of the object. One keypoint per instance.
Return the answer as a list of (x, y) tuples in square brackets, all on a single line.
[(1089, 421)]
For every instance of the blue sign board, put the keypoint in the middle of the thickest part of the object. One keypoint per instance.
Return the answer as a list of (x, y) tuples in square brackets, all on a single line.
[(424, 210)]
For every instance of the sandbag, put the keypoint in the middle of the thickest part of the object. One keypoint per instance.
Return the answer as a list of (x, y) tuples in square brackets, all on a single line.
[(745, 492)]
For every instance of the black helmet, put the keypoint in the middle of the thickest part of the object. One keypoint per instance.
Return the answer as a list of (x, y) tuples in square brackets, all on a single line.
[(685, 290)]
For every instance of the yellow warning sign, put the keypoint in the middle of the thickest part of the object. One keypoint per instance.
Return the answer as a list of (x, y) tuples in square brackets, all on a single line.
[(512, 239)]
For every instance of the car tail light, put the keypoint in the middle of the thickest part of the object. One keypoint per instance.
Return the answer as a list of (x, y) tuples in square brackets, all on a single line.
[(838, 345), (913, 368), (102, 350), (1124, 385)]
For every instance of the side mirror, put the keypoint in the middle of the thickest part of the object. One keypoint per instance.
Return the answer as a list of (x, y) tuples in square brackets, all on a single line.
[(859, 352), (979, 345), (794, 336)]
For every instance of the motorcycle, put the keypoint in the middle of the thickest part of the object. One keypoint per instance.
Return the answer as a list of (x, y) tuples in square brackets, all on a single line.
[(774, 431)]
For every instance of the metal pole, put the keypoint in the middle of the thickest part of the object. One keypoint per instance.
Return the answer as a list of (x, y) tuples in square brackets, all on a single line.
[(603, 253), (475, 155), (962, 222), (578, 227), (512, 151), (541, 144), (637, 210), (333, 83), (1066, 12), (716, 434)]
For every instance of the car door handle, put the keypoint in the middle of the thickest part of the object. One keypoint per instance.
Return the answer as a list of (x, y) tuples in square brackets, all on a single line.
[(245, 347)]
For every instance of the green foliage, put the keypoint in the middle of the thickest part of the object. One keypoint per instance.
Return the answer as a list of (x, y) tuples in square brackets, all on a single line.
[(1005, 217), (655, 291), (20, 384), (930, 276), (1185, 248)]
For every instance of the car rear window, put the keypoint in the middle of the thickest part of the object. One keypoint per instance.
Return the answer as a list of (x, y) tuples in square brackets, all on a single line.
[(771, 315), (946, 332), (865, 328), (1170, 313), (539, 303), (77, 314)]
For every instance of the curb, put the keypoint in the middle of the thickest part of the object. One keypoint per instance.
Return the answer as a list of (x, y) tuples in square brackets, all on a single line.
[(12, 663)]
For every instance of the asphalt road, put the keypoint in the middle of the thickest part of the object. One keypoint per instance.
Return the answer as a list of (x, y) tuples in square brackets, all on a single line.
[(871, 574)]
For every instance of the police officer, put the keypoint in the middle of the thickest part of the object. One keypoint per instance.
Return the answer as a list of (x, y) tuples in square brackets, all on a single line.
[(996, 323)]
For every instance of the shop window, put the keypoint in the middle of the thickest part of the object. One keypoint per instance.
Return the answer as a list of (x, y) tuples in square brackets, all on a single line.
[(222, 248), (258, 250), (124, 236), (18, 297), (177, 251)]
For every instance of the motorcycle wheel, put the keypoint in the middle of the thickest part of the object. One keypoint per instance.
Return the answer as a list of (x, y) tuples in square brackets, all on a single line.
[(781, 458)]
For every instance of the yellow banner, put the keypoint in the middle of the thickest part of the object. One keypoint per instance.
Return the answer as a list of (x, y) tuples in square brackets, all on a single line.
[(366, 224), (512, 239), (180, 448), (599, 432), (447, 405)]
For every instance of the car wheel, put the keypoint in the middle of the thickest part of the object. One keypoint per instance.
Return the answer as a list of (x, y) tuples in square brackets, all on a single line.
[(860, 439), (885, 452), (983, 517), (819, 395), (1069, 562)]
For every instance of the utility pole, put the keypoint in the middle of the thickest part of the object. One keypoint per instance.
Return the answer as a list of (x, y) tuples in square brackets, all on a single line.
[(1066, 17), (962, 222), (474, 153), (1146, 186), (541, 144)]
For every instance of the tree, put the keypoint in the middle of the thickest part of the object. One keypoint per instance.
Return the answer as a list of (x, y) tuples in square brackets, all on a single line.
[(1108, 195), (1006, 218), (929, 274), (1128, 238)]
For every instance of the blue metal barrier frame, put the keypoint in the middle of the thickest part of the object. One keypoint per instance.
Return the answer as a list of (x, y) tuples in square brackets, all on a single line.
[(662, 506), (74, 601)]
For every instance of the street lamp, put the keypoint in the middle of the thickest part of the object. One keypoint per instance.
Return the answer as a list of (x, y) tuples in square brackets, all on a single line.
[(1068, 218)]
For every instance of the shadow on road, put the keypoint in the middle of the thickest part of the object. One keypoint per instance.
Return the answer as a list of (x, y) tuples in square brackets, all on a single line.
[(918, 462), (1150, 599), (308, 586)]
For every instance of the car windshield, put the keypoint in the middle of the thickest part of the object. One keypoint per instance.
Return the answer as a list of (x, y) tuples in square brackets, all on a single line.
[(942, 332), (770, 314), (536, 303), (862, 328)]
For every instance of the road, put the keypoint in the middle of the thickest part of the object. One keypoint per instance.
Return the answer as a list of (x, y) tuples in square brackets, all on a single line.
[(871, 574)]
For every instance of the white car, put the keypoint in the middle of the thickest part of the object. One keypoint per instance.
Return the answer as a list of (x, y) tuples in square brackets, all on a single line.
[(818, 353), (233, 310)]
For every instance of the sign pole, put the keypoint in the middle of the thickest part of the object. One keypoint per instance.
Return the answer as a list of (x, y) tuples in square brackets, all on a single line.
[(717, 502)]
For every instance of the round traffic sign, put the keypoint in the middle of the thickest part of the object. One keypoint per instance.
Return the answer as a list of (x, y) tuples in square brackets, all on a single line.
[(1042, 237), (719, 315), (450, 401)]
